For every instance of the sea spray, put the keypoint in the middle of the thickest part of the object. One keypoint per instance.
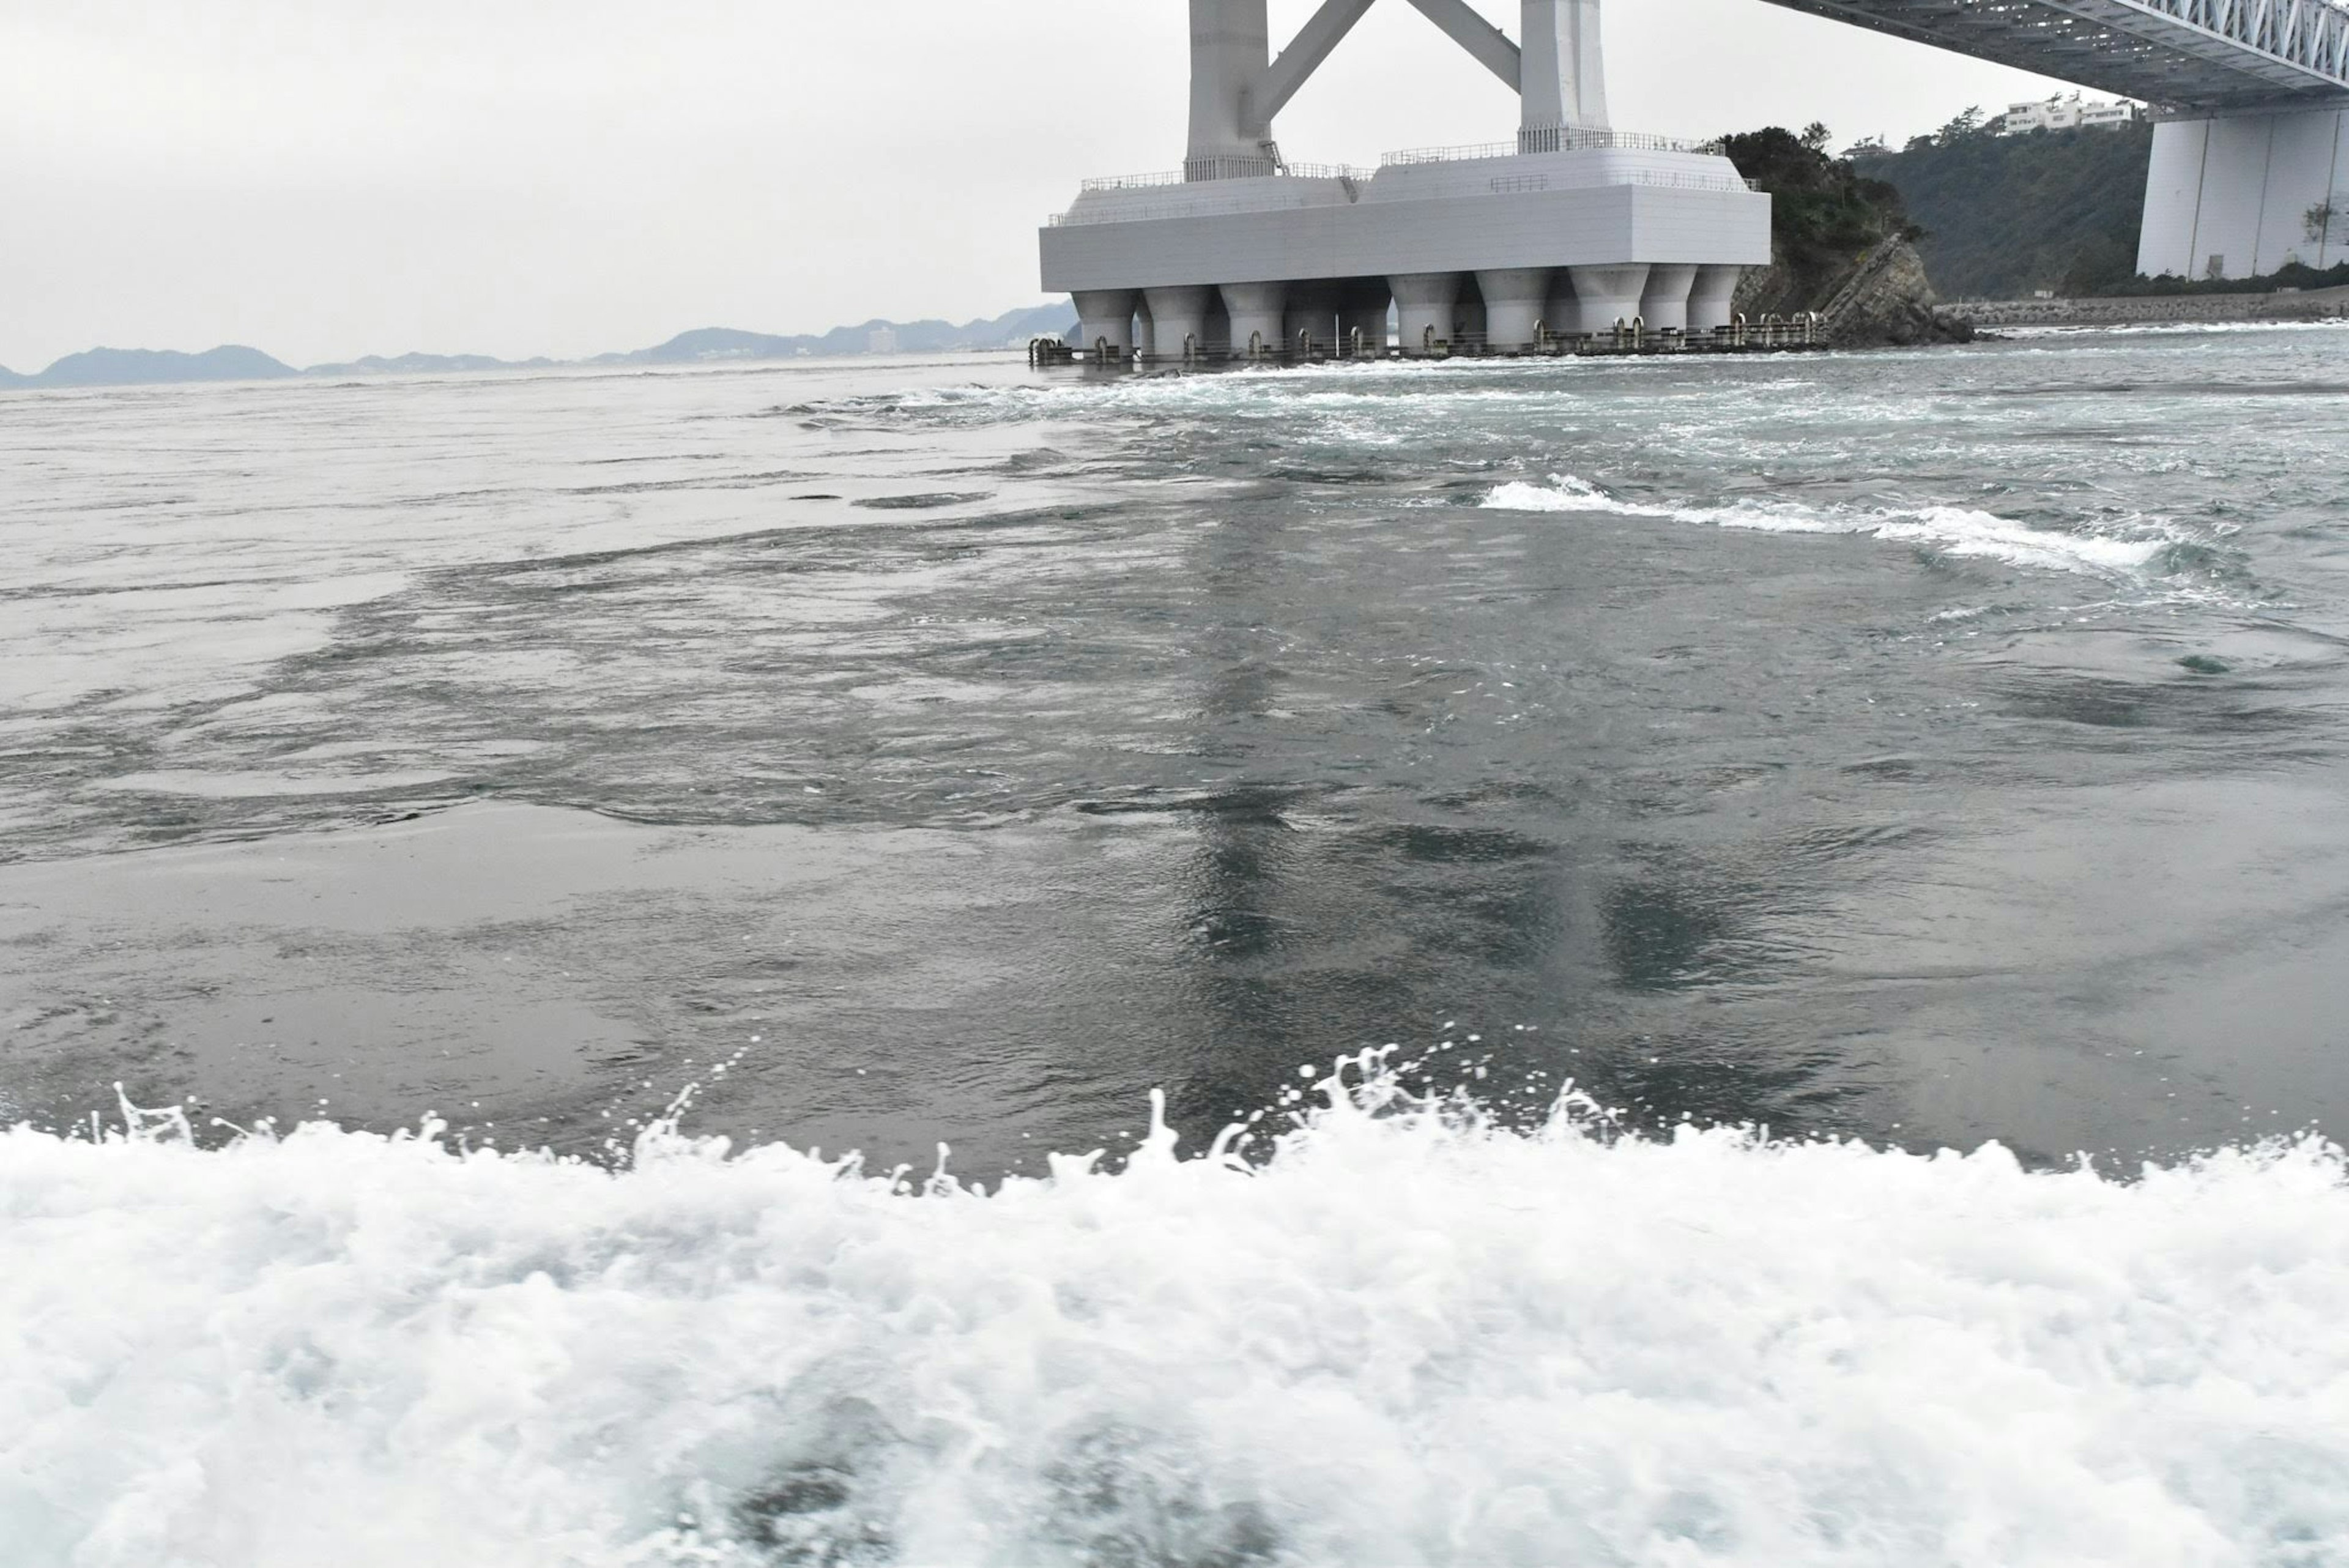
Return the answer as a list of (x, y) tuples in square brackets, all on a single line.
[(1408, 1334)]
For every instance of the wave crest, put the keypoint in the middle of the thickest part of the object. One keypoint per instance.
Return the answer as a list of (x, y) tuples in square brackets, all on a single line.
[(1954, 530)]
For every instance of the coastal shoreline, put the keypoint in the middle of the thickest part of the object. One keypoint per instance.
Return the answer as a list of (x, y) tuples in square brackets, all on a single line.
[(2313, 305)]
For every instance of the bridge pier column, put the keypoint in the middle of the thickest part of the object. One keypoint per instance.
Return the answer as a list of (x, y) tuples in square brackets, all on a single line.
[(2234, 196), (1605, 295), (1106, 316), (1711, 297), (1256, 311), (1664, 301), (1514, 301), (1177, 316), (1425, 303)]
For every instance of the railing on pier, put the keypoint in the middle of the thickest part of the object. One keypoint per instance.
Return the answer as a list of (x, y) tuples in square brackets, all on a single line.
[(1132, 182), (1130, 213), (1552, 139), (1674, 179), (1257, 169), (1628, 335), (1229, 167), (1327, 171)]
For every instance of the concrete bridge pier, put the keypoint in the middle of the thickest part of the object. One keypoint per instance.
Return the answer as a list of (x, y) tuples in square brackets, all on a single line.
[(1425, 304), (1550, 236), (1664, 302), (1257, 312), (1605, 295), (1515, 300), (2242, 194), (1105, 315), (1711, 297), (1178, 317)]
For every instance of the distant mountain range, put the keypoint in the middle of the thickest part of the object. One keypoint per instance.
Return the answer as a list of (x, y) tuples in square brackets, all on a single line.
[(706, 345)]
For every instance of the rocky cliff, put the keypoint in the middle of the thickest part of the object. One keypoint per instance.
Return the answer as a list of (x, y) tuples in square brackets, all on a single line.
[(1840, 244), (1880, 296)]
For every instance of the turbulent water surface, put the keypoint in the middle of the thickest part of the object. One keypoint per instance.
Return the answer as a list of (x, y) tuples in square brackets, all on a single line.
[(1856, 756)]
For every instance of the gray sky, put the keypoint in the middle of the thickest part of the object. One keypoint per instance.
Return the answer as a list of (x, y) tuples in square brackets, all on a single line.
[(327, 178)]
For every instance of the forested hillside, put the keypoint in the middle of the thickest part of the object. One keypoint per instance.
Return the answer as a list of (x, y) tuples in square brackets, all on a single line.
[(1838, 245), (1825, 212), (2003, 216)]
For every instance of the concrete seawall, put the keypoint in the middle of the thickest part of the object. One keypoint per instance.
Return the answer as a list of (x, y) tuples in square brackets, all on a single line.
[(2314, 304)]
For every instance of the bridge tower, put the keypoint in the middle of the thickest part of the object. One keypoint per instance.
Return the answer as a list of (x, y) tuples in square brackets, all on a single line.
[(2240, 194)]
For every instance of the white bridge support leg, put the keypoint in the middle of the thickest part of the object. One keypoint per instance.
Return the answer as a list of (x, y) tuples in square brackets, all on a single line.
[(1256, 311), (1425, 304), (1178, 317), (1515, 299), (1105, 316), (1664, 302), (1562, 78), (1606, 295), (1712, 297), (2233, 197), (1229, 49)]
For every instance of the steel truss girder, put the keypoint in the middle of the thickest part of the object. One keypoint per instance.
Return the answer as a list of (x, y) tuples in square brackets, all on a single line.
[(2181, 54)]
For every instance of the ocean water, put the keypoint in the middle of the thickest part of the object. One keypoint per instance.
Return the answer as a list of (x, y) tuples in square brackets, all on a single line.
[(1735, 962)]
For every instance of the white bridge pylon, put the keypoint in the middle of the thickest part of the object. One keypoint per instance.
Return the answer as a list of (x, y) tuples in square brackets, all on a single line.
[(1238, 87)]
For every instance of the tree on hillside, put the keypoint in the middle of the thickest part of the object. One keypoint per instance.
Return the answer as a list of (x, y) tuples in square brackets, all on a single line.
[(1966, 123)]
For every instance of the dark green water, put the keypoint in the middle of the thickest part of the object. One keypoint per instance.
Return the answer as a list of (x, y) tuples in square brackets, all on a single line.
[(1936, 747)]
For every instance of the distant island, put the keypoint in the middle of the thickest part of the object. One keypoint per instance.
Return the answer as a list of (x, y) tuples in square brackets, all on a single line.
[(702, 346)]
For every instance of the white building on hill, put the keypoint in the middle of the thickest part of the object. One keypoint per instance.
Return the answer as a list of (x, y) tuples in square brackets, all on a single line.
[(2063, 114)]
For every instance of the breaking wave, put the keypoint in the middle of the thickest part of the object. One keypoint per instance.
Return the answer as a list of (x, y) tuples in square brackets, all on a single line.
[(1411, 1336), (1954, 530)]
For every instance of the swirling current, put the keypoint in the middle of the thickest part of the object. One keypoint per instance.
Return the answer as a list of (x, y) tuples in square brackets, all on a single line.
[(1722, 960)]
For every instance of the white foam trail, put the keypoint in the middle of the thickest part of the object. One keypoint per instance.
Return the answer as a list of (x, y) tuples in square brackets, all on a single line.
[(1414, 1337), (1954, 530)]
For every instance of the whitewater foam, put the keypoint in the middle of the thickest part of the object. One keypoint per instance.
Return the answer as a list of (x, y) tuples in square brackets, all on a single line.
[(1953, 530), (1412, 1337)]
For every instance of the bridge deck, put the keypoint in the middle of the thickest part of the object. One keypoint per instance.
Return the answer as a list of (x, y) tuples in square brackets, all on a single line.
[(2177, 54)]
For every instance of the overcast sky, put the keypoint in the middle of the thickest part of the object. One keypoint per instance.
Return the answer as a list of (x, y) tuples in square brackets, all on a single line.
[(324, 179)]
